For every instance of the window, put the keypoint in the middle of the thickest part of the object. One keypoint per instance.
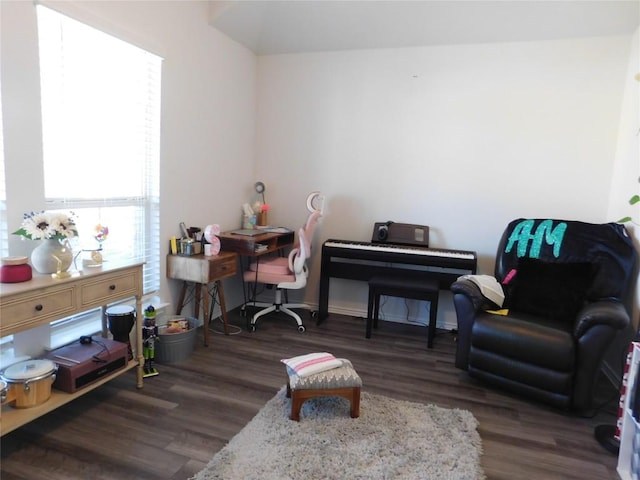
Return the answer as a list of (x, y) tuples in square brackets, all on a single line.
[(101, 128)]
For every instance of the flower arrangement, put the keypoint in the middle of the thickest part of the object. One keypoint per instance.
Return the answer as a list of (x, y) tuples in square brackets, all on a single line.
[(48, 225), (259, 208), (102, 232)]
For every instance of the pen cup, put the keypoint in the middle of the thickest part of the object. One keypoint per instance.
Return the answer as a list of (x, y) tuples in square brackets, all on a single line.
[(249, 222)]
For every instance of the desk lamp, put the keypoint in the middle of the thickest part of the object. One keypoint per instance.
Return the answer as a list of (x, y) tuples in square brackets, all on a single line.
[(260, 188)]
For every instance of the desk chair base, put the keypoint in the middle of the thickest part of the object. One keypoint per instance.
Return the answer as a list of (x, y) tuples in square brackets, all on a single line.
[(278, 306), (254, 303)]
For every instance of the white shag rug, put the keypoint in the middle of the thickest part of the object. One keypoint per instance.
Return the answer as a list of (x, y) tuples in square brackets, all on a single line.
[(391, 439)]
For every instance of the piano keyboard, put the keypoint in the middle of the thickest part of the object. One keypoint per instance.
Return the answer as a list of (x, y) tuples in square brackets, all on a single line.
[(354, 260), (374, 247)]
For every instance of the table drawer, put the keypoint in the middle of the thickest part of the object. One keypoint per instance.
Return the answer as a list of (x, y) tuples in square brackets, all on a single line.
[(36, 309), (226, 267), (109, 289)]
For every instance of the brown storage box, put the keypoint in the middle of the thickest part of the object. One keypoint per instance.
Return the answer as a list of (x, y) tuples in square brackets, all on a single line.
[(80, 365)]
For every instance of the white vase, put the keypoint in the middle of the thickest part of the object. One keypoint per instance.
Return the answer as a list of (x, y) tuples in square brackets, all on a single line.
[(51, 256)]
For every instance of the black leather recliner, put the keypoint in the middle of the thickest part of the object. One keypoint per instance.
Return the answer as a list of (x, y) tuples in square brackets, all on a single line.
[(568, 289)]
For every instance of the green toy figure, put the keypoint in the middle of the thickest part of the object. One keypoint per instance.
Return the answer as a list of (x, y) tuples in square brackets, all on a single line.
[(149, 337)]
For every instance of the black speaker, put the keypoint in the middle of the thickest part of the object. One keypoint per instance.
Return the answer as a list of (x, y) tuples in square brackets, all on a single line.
[(381, 232), (400, 234)]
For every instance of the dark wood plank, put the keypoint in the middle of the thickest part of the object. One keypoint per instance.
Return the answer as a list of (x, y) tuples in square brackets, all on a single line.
[(173, 426)]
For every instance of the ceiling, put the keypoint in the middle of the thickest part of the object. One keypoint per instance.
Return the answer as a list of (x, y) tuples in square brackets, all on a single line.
[(270, 27)]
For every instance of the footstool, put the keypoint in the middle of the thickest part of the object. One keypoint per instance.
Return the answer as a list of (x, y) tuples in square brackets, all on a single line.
[(338, 382)]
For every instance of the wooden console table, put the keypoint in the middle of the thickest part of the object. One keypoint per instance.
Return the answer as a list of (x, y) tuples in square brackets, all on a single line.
[(43, 299), (203, 270)]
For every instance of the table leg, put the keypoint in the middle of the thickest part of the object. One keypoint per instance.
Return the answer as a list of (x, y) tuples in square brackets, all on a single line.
[(196, 300), (105, 327), (205, 313), (183, 292), (223, 306), (139, 347)]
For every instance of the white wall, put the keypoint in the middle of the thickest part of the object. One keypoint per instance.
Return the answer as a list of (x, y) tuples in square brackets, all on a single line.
[(208, 111), (461, 138), (626, 174), (626, 182)]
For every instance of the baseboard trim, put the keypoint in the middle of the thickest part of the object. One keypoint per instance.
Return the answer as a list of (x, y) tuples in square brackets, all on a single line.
[(358, 312)]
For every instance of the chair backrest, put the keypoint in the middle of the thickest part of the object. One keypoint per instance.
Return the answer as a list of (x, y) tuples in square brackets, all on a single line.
[(310, 228), (607, 247), (298, 256), (312, 221)]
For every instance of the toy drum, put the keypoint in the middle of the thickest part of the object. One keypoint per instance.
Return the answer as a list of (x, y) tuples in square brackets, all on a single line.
[(29, 382), (121, 319)]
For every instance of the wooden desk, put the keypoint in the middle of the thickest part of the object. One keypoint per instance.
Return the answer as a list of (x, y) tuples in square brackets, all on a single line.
[(248, 245), (42, 300), (203, 270)]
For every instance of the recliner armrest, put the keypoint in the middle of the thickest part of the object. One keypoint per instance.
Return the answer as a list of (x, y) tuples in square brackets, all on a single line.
[(472, 291), (609, 312)]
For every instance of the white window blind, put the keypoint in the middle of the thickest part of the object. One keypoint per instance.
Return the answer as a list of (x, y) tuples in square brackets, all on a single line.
[(101, 128)]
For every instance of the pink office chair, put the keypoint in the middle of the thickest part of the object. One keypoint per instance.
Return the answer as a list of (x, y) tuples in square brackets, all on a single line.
[(291, 275), (281, 271)]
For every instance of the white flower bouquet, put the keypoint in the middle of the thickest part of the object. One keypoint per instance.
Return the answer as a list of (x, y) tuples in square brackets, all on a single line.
[(48, 225)]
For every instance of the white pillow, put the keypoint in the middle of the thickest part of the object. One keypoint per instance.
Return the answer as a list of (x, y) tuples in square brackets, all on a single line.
[(312, 363), (489, 287)]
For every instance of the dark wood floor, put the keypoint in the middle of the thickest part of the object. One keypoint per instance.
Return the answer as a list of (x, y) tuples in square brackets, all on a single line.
[(173, 426)]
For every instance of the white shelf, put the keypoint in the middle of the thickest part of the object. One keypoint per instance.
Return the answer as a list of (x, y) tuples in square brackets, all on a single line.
[(630, 434)]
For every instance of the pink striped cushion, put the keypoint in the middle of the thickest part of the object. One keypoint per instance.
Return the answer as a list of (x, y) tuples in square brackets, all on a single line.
[(312, 363)]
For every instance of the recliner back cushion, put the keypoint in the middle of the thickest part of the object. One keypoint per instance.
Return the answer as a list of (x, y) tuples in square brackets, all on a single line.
[(607, 247), (553, 290)]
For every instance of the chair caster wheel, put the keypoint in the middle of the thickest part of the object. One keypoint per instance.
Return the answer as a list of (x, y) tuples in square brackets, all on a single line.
[(301, 328), (251, 328), (314, 313)]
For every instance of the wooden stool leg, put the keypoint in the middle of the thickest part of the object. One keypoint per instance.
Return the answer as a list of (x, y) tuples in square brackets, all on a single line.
[(296, 405), (355, 402)]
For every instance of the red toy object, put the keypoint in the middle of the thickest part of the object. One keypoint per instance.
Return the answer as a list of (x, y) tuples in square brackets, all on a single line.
[(15, 270)]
